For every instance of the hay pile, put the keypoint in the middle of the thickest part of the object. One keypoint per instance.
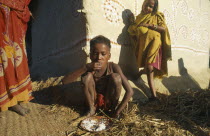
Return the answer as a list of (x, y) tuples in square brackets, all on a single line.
[(50, 82), (181, 113), (192, 105)]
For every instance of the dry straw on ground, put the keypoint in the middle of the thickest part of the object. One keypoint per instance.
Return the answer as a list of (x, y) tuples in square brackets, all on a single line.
[(180, 114), (183, 113)]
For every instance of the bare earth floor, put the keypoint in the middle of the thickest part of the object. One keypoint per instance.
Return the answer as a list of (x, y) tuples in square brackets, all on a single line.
[(42, 121), (179, 114)]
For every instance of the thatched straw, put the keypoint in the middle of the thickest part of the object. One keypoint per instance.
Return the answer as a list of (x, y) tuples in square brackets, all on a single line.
[(183, 113)]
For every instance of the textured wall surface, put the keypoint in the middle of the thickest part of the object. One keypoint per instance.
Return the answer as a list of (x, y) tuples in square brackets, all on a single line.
[(62, 27), (58, 35), (187, 22)]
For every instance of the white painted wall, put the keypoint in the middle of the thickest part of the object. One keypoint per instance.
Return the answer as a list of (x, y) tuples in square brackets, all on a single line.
[(188, 26), (59, 32)]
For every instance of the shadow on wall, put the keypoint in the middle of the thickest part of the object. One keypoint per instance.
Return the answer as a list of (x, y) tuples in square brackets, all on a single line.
[(209, 69), (56, 37), (33, 7), (28, 41), (184, 82), (173, 83), (127, 58)]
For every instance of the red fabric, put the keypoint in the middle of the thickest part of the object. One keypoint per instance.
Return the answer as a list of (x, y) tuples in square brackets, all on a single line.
[(14, 72), (157, 63), (20, 7), (100, 101)]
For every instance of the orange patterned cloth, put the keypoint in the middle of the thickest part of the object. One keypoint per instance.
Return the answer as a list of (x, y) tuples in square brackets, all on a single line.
[(15, 82)]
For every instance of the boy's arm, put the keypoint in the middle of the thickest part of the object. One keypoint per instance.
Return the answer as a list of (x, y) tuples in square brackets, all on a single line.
[(71, 77), (126, 86)]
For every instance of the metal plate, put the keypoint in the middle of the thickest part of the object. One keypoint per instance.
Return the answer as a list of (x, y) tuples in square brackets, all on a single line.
[(96, 123)]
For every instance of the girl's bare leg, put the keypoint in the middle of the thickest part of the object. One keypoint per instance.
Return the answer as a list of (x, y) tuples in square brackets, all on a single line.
[(150, 78), (90, 93)]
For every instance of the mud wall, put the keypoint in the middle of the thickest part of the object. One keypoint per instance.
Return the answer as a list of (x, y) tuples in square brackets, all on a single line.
[(187, 22), (61, 28), (58, 34)]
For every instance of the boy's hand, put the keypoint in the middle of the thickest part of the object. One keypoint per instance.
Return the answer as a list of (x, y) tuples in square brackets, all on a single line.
[(93, 66), (96, 66), (115, 115)]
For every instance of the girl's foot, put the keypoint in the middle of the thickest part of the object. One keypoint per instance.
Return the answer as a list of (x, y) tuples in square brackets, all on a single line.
[(20, 110), (154, 99)]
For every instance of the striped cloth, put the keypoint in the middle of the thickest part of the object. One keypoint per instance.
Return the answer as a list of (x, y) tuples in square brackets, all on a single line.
[(15, 82)]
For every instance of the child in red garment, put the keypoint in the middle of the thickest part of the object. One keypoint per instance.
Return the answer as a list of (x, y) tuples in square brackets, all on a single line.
[(102, 80)]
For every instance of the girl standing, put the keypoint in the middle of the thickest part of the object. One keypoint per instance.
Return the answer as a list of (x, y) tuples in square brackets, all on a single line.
[(151, 39)]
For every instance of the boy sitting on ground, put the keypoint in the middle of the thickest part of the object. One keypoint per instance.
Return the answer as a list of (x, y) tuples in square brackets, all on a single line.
[(102, 80)]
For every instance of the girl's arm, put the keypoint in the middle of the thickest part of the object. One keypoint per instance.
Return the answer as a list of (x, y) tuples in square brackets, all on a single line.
[(157, 28)]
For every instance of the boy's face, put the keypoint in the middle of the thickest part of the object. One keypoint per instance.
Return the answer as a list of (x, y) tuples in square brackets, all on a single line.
[(100, 53)]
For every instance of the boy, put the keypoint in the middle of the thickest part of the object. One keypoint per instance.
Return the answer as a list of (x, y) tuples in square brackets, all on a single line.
[(102, 80)]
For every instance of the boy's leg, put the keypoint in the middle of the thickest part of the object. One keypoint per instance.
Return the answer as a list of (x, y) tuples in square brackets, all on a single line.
[(113, 91), (90, 93), (150, 78)]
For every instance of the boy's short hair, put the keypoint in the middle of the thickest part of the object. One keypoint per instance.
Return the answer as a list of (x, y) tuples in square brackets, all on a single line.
[(99, 39)]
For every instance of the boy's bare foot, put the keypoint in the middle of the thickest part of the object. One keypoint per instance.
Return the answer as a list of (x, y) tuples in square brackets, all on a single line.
[(91, 112), (20, 110)]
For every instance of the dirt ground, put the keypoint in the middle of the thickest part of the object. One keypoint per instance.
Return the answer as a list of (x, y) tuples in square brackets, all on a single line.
[(50, 116)]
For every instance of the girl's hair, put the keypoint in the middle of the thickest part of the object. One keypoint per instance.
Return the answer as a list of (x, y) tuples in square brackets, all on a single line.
[(99, 39), (155, 9)]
